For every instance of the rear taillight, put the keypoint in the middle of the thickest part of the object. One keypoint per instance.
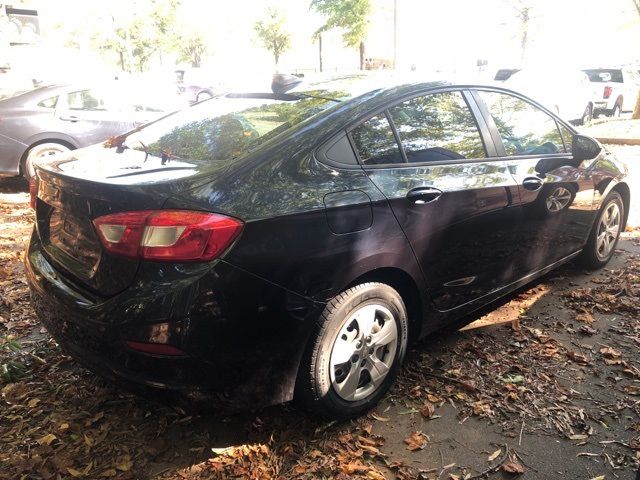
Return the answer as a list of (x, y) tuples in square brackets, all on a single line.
[(33, 191), (167, 235), (607, 92)]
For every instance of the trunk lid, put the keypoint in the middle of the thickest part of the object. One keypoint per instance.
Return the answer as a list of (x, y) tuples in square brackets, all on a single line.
[(76, 188)]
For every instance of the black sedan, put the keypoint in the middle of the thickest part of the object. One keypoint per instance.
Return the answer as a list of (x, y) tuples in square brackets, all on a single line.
[(271, 246)]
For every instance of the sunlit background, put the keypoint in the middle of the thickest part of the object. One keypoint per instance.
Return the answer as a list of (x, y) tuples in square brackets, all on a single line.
[(76, 37)]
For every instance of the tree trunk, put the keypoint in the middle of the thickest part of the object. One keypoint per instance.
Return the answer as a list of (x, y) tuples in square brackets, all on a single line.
[(361, 55), (121, 53), (636, 110), (320, 50)]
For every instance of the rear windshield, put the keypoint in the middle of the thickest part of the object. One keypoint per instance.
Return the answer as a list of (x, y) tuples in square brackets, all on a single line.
[(600, 75), (225, 127)]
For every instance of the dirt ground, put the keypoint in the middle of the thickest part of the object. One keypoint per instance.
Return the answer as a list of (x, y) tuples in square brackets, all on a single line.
[(544, 386)]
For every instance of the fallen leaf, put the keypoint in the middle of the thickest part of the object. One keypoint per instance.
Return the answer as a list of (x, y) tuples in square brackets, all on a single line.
[(47, 439), (585, 317), (513, 467), (427, 410), (610, 352), (416, 441), (379, 418), (124, 463), (494, 455)]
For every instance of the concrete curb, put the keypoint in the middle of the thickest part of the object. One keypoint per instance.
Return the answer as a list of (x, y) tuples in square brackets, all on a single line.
[(619, 141)]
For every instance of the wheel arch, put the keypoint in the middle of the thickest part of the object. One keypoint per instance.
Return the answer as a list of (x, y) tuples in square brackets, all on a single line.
[(406, 286), (624, 191)]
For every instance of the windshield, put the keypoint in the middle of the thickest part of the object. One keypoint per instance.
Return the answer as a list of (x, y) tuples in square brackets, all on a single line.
[(225, 127)]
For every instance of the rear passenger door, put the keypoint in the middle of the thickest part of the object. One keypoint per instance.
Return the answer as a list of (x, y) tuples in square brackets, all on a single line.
[(431, 159), (555, 191)]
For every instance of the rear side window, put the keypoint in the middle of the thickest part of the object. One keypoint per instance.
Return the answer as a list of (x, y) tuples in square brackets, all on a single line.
[(437, 127), (524, 128), (88, 100), (49, 102), (376, 143)]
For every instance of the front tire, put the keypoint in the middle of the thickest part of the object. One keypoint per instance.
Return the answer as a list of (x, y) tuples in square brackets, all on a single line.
[(355, 353), (605, 233)]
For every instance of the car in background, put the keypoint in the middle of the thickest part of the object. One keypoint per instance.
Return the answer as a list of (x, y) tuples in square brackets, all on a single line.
[(53, 119), (196, 84), (291, 243), (616, 89), (504, 74), (566, 92)]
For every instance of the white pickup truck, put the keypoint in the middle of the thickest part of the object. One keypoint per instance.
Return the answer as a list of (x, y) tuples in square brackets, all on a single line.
[(615, 89)]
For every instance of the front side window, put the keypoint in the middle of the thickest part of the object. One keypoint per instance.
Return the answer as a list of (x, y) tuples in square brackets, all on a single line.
[(437, 127), (524, 128), (567, 136), (376, 143)]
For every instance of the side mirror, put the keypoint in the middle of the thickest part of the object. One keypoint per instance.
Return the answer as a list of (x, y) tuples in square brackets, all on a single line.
[(585, 148)]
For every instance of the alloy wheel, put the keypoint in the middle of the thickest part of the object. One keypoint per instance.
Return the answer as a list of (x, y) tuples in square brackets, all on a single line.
[(558, 200), (608, 230), (363, 352)]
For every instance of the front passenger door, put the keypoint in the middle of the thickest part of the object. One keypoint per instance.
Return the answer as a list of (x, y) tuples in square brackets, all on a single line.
[(454, 203), (555, 191), (92, 116)]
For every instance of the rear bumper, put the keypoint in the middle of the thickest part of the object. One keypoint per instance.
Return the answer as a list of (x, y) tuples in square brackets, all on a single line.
[(603, 106), (243, 336)]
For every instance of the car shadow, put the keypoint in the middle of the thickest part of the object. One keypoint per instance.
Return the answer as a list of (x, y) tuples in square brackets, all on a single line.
[(13, 185), (210, 432)]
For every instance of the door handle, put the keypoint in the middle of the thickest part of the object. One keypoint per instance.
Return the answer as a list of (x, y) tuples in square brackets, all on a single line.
[(532, 183), (423, 195), (70, 118)]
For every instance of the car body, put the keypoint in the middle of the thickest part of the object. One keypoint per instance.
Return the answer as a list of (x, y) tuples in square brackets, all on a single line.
[(63, 117), (564, 91), (616, 89), (320, 207)]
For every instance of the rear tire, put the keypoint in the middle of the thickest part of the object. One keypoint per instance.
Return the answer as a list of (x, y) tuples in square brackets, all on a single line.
[(587, 115), (40, 151), (617, 110), (605, 233), (355, 352)]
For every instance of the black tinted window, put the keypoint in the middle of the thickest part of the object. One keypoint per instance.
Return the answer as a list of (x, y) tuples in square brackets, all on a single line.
[(375, 142), (524, 128), (223, 128), (567, 136), (437, 127), (601, 75)]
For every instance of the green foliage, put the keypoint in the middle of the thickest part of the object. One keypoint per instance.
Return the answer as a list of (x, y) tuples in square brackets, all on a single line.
[(135, 37), (272, 34), (191, 47), (348, 15)]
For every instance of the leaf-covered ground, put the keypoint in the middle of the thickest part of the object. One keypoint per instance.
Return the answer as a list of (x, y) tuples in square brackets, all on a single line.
[(546, 386)]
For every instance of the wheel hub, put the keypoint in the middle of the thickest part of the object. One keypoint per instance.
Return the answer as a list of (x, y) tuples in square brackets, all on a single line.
[(363, 352)]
